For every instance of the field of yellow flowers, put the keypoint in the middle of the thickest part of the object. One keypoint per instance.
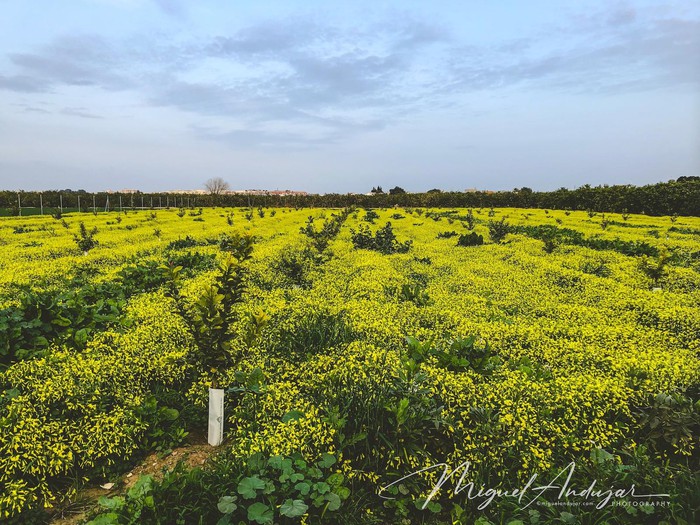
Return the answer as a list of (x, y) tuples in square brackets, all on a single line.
[(357, 347)]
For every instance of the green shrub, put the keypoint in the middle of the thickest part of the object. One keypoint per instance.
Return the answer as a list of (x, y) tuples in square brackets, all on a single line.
[(470, 239), (383, 241), (655, 269), (498, 230), (414, 293), (85, 239), (296, 264), (370, 216)]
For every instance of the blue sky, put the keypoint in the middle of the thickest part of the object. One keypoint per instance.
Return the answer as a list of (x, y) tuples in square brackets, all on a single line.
[(338, 97)]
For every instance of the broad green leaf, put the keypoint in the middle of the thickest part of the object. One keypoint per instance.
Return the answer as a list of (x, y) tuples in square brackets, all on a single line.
[(257, 461), (293, 508), (321, 487), (275, 462), (169, 414), (292, 415), (566, 517), (115, 503), (260, 513), (227, 504), (105, 519), (327, 460), (333, 501), (248, 486), (141, 488), (335, 480), (303, 488)]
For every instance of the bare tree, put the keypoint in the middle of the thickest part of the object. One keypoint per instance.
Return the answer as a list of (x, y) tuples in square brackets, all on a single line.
[(216, 186)]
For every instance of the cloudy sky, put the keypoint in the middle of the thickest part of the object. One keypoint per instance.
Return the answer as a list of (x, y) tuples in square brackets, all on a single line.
[(330, 96)]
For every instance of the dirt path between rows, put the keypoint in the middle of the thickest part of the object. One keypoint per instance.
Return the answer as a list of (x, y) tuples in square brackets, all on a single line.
[(77, 511)]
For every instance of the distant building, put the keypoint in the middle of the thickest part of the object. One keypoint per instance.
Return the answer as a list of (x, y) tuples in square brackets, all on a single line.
[(279, 193), (470, 190)]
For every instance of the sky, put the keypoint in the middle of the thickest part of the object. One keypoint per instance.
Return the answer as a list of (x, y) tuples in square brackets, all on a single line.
[(326, 96)]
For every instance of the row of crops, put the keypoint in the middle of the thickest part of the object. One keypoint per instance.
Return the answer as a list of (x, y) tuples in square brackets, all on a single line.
[(356, 347)]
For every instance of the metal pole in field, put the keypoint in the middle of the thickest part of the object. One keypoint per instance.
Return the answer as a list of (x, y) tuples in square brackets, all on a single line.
[(19, 205), (60, 198), (94, 208), (160, 202), (167, 201), (41, 203), (120, 204), (78, 203), (142, 202)]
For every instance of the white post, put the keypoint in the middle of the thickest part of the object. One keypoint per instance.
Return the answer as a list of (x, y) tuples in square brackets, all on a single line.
[(216, 416), (41, 203), (60, 198)]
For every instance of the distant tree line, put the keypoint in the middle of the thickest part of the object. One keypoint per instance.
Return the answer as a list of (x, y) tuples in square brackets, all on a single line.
[(681, 196)]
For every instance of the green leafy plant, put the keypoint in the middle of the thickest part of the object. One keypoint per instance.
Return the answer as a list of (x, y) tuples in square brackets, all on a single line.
[(383, 241), (312, 333), (498, 230), (655, 269), (370, 216), (551, 242), (213, 311), (127, 509), (296, 264), (414, 293), (457, 354), (470, 239), (165, 428), (470, 220), (85, 239), (282, 488), (669, 423), (328, 231)]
